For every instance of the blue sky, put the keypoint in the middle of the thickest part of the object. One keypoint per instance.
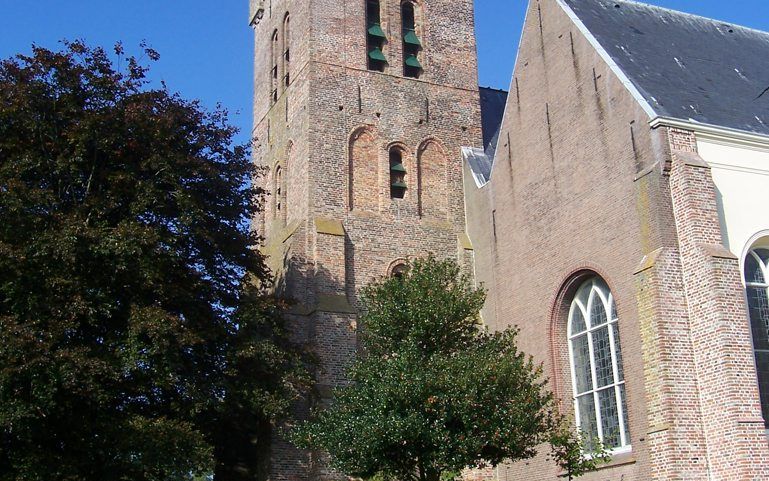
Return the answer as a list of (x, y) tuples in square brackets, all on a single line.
[(205, 45)]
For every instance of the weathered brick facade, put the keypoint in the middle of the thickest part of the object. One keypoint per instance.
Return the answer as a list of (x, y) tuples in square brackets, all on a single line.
[(325, 138), (581, 186)]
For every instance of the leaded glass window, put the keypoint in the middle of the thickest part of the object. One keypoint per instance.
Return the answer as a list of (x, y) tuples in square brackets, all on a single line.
[(756, 277), (596, 365)]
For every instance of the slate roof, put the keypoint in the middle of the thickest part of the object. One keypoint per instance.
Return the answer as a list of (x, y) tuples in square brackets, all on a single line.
[(686, 67), (493, 104)]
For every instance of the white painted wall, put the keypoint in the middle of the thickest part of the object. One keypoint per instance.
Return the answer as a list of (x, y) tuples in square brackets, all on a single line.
[(741, 174)]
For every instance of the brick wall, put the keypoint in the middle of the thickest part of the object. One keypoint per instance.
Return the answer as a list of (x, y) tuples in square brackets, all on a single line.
[(583, 186), (576, 190), (330, 132)]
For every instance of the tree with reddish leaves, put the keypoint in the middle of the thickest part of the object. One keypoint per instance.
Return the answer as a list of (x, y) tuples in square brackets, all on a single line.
[(130, 345)]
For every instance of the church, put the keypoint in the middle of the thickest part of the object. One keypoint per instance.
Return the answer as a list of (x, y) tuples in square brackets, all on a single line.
[(610, 203)]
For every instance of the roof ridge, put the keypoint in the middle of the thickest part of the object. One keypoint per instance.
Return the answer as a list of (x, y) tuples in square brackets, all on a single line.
[(689, 14), (492, 88)]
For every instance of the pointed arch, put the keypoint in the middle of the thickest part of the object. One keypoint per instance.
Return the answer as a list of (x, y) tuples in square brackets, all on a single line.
[(411, 35), (363, 170), (755, 268), (274, 55), (433, 179), (587, 358), (291, 192), (286, 50)]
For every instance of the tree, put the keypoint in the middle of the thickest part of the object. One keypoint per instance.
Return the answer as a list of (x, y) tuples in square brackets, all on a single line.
[(432, 393), (130, 345), (568, 449)]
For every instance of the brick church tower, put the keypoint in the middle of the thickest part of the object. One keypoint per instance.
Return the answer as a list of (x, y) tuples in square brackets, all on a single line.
[(361, 109)]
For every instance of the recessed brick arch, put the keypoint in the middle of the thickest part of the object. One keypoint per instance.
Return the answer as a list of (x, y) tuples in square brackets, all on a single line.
[(394, 265), (363, 170), (433, 190), (560, 302)]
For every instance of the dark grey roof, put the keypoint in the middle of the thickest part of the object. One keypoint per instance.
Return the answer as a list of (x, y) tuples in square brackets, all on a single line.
[(686, 67), (493, 103), (480, 163)]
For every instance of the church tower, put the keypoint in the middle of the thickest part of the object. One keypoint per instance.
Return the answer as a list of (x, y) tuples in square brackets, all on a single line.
[(361, 108)]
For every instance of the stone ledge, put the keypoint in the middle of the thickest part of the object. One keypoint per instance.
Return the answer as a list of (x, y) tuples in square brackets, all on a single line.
[(330, 303), (291, 230), (333, 227), (691, 159), (717, 251), (648, 261), (465, 242), (334, 303)]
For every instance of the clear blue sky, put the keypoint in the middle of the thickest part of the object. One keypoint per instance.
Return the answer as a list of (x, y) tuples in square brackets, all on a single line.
[(205, 45)]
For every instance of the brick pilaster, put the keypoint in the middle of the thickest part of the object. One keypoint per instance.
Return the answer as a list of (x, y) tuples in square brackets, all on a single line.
[(675, 437), (720, 331)]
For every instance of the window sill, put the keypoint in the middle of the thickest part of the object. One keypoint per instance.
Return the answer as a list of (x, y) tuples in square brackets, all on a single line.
[(619, 459)]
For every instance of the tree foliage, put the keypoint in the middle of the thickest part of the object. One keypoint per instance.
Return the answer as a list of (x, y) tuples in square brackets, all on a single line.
[(129, 346), (433, 393)]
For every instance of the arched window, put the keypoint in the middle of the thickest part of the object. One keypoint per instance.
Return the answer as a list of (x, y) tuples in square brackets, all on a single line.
[(278, 192), (397, 174), (411, 43), (399, 270), (286, 50), (274, 69), (375, 37), (596, 366), (757, 285)]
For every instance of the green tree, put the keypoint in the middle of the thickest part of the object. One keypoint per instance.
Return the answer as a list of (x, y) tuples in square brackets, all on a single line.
[(568, 448), (432, 393), (130, 347)]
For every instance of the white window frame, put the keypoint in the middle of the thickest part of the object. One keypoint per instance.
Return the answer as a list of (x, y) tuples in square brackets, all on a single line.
[(596, 293)]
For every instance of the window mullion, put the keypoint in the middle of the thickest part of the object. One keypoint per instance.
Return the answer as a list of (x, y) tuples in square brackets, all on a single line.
[(615, 371), (599, 429)]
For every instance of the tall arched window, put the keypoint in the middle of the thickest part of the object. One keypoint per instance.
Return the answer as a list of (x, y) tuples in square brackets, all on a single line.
[(596, 366), (278, 192), (274, 55), (375, 37), (411, 44), (286, 50), (757, 285)]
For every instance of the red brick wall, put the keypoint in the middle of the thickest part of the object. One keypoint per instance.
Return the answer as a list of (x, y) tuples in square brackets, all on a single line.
[(335, 124), (584, 186), (579, 189), (719, 327)]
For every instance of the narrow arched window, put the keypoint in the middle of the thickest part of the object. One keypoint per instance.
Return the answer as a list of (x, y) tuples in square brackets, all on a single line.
[(274, 55), (375, 37), (397, 174), (278, 192), (757, 285), (286, 50), (412, 67), (596, 365)]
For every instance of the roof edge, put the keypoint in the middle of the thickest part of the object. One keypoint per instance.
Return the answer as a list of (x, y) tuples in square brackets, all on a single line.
[(509, 89), (624, 79), (715, 133)]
